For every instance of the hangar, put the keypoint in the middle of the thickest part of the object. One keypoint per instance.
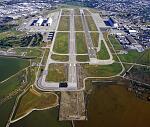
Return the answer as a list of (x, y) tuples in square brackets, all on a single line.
[(42, 22)]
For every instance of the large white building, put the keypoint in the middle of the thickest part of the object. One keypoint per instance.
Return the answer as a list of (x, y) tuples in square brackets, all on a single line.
[(43, 22), (113, 23), (39, 22), (49, 21)]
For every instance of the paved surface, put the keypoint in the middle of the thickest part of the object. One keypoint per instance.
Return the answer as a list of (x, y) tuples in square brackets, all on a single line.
[(43, 29), (72, 79), (72, 76), (90, 46), (99, 24), (72, 70), (98, 20), (41, 82)]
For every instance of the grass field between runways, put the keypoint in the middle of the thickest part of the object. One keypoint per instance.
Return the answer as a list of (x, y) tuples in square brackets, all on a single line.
[(91, 23), (61, 43), (78, 23), (103, 53), (57, 73), (62, 58), (95, 38), (64, 24), (81, 43)]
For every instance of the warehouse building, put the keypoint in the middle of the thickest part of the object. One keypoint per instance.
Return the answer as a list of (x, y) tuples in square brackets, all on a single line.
[(39, 22), (42, 22), (113, 23)]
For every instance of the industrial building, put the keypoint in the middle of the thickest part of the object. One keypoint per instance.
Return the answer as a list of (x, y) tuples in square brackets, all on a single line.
[(42, 22), (113, 23), (39, 22), (49, 21)]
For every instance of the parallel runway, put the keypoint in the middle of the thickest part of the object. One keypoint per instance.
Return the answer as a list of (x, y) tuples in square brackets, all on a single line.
[(90, 46), (72, 78)]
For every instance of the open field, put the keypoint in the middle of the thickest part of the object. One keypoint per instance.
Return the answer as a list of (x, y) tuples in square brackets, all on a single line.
[(31, 52), (115, 107), (61, 43), (5, 111), (42, 119), (91, 23), (11, 33), (131, 57), (17, 83), (103, 53), (57, 73), (82, 58), (62, 58), (10, 66), (11, 39), (95, 38), (78, 23), (101, 70), (139, 73), (81, 43), (35, 100), (10, 91), (65, 12), (115, 42), (64, 24), (145, 58)]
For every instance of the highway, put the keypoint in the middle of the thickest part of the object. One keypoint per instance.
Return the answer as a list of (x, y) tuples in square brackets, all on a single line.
[(91, 50)]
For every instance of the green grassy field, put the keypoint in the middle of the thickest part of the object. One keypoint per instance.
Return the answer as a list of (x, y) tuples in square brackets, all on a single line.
[(82, 58), (131, 57), (34, 52), (57, 73), (11, 33), (95, 38), (78, 23), (136, 57), (145, 58), (33, 99), (103, 53), (42, 119), (5, 111), (101, 70), (10, 66), (16, 82), (64, 24), (61, 43), (115, 42), (115, 107), (81, 43), (91, 23), (60, 57)]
